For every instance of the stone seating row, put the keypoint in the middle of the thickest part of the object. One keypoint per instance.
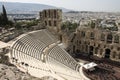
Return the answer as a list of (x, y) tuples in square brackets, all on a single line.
[(27, 52)]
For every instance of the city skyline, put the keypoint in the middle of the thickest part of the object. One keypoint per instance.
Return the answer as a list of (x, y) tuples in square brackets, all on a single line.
[(81, 5)]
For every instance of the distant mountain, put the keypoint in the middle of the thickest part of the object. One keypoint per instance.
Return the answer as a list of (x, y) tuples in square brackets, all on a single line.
[(15, 7)]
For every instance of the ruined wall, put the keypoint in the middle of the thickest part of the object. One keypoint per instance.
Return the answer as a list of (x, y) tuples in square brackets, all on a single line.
[(96, 42), (51, 19)]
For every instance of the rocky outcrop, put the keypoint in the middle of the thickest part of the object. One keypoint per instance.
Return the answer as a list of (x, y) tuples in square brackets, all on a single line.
[(12, 73)]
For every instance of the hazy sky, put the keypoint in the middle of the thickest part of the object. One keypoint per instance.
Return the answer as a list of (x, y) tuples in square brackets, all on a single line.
[(81, 5)]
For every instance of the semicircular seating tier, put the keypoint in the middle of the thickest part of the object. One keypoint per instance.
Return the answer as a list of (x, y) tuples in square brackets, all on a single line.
[(38, 54)]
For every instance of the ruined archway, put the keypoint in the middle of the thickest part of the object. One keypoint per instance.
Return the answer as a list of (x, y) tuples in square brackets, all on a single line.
[(107, 53), (109, 38), (91, 50), (77, 51), (73, 49)]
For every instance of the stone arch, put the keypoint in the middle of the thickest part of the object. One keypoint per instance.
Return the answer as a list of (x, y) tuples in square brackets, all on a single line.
[(96, 50), (116, 39), (102, 37), (107, 53), (91, 48), (80, 42), (92, 35), (119, 56), (55, 23), (109, 38), (118, 48), (77, 51), (50, 24), (45, 23), (45, 13), (73, 48), (55, 14), (101, 51), (49, 13)]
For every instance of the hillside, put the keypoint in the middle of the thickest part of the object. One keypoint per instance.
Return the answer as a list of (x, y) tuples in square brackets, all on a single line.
[(13, 7)]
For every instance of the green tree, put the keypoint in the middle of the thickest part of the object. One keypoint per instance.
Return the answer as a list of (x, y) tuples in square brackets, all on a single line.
[(4, 22), (5, 19), (69, 25), (0, 19)]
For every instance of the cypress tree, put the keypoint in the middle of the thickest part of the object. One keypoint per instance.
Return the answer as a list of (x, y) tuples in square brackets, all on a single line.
[(0, 20), (5, 19)]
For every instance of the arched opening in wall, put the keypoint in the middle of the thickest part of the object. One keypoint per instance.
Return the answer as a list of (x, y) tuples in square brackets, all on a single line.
[(116, 39), (55, 14), (101, 51), (91, 50), (49, 13), (50, 23), (107, 53), (96, 50), (73, 49), (77, 51), (119, 56), (109, 38), (45, 14), (45, 23), (102, 37), (55, 23), (92, 35), (79, 42)]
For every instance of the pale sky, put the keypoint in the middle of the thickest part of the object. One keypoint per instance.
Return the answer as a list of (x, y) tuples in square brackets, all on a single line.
[(81, 5)]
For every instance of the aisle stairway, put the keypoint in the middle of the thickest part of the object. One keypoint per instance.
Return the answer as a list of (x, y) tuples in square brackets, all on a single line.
[(38, 54)]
